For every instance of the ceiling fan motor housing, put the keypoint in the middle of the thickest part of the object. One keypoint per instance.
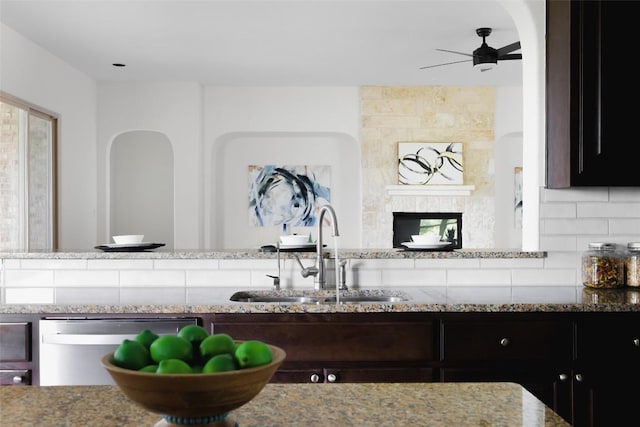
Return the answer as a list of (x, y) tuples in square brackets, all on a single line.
[(485, 54)]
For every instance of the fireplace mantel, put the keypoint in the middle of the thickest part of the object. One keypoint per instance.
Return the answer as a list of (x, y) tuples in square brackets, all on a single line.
[(429, 190)]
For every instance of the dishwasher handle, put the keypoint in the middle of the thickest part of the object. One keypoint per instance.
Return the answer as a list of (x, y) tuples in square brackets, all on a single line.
[(86, 339)]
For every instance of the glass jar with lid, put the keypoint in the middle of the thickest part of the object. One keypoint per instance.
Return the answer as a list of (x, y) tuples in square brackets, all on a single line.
[(632, 264), (602, 266)]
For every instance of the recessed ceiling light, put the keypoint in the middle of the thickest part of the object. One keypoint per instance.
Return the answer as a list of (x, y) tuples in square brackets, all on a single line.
[(118, 65)]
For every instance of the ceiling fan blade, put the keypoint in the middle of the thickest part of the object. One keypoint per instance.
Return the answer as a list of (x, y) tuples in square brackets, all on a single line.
[(508, 48), (510, 56), (453, 51), (447, 63)]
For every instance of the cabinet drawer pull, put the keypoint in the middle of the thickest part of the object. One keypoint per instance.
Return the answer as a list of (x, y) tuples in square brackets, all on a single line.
[(332, 378), (315, 378), (563, 377), (18, 379), (579, 377), (504, 342), (636, 342)]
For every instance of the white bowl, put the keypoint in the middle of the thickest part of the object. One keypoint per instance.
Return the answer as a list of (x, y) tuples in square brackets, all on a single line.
[(127, 239), (425, 239), (294, 239)]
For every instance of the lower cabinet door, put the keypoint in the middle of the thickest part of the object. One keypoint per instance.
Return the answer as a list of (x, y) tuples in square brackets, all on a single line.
[(552, 386), (606, 397)]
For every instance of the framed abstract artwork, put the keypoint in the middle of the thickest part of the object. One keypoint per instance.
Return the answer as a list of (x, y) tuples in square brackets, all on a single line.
[(424, 163), (287, 195)]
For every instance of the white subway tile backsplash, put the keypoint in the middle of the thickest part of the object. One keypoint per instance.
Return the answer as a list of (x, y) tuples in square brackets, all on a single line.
[(443, 263), (9, 264), (382, 263), (413, 277), (99, 295), (138, 278), (478, 277), (608, 210), (26, 278), (625, 227), (558, 210), (86, 278), (248, 264), (576, 226), (53, 264), (624, 194), (564, 277), (200, 296), (558, 243), (489, 295), (363, 278), (186, 264), (152, 295), (591, 194), (511, 263), (560, 259), (29, 296), (120, 264), (227, 278)]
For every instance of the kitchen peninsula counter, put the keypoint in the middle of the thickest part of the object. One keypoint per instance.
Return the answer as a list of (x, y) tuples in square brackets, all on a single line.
[(340, 404), (259, 254)]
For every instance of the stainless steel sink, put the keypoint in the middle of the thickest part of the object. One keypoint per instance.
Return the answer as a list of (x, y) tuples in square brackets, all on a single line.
[(259, 298), (273, 297), (365, 299)]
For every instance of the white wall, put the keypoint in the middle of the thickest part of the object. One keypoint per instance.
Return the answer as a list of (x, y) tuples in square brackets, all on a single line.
[(175, 110), (508, 155), (32, 74), (278, 125)]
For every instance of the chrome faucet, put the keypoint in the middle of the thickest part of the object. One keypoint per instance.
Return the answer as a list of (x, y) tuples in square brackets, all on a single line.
[(318, 270), (320, 280)]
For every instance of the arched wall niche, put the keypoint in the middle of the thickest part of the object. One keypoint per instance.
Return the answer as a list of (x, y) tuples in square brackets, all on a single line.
[(141, 186), (234, 152)]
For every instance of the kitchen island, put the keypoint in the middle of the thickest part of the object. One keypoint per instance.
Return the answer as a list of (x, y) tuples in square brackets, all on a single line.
[(416, 404)]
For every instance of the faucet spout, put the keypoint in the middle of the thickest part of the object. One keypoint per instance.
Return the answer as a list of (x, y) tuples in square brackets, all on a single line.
[(320, 280)]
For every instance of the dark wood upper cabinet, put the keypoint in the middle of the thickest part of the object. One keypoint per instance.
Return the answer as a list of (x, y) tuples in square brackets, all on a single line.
[(591, 93)]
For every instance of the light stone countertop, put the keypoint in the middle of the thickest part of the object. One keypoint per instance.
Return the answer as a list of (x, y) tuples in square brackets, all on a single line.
[(258, 254), (495, 299), (317, 405)]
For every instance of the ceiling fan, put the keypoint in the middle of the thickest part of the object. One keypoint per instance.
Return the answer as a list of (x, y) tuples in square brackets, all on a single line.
[(485, 57)]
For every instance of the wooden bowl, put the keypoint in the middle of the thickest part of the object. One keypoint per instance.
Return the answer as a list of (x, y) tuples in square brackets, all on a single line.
[(193, 395)]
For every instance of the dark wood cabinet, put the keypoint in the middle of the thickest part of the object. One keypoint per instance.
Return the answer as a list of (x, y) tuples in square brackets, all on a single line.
[(606, 369), (349, 347), (15, 352), (534, 350), (581, 364), (590, 91)]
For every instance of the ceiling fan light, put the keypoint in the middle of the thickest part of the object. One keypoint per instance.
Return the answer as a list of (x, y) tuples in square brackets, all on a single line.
[(485, 66)]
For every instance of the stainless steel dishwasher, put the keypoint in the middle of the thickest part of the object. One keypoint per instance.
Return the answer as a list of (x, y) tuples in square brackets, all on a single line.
[(71, 348)]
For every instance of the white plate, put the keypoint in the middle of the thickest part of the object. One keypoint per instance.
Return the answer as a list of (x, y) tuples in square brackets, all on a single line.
[(127, 245), (305, 246), (412, 245)]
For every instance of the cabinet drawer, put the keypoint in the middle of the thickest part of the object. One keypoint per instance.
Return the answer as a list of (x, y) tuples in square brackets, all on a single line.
[(15, 377), (507, 340), (15, 342), (309, 338), (614, 340)]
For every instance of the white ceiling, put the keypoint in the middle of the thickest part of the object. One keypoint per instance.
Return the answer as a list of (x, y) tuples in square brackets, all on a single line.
[(265, 43)]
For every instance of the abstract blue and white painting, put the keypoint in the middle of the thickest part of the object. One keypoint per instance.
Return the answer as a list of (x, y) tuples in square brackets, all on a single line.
[(289, 195)]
